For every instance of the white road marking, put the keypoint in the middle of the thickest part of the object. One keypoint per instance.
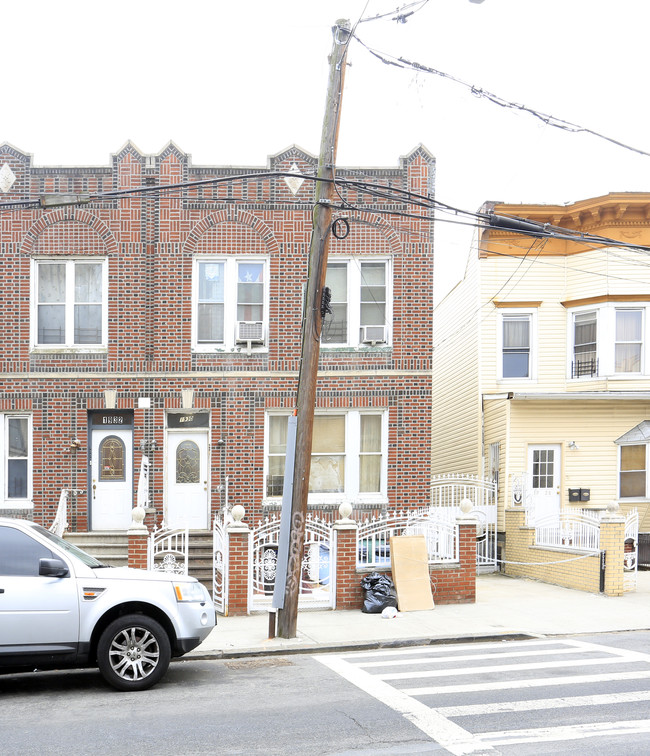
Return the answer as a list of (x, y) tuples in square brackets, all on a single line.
[(471, 657), (449, 735), (411, 650), (474, 671), (519, 684), (567, 732), (505, 707)]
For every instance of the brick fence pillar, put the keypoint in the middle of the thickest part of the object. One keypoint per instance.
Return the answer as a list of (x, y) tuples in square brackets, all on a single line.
[(138, 541), (348, 589), (239, 568), (612, 542), (467, 554)]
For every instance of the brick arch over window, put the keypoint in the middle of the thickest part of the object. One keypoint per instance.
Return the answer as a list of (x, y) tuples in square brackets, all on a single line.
[(369, 234), (69, 232), (231, 231)]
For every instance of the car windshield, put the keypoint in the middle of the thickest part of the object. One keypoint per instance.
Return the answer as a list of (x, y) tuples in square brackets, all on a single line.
[(88, 560)]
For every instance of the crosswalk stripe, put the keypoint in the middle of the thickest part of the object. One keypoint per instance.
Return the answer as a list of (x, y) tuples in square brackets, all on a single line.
[(449, 735), (414, 650), (566, 732), (519, 684), (456, 671), (471, 657), (504, 707)]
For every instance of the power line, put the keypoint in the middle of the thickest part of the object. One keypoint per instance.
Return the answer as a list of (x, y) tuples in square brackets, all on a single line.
[(547, 119)]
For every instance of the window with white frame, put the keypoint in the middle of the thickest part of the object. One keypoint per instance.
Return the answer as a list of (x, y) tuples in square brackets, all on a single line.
[(230, 303), (585, 344), (348, 456), (15, 432), (360, 302), (607, 341), (69, 303), (629, 341), (516, 345)]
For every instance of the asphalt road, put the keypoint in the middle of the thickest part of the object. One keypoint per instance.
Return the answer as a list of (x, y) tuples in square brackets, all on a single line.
[(574, 695)]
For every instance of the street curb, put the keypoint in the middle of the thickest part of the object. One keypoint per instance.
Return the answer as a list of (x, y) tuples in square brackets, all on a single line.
[(350, 646)]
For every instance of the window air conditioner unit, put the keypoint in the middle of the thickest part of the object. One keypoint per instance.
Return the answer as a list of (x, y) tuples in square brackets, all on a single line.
[(250, 330), (373, 334)]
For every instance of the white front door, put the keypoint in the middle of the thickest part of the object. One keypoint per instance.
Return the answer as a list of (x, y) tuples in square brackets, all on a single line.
[(187, 480), (111, 493), (544, 469)]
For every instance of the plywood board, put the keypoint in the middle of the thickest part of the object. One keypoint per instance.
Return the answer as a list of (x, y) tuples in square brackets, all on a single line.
[(410, 566)]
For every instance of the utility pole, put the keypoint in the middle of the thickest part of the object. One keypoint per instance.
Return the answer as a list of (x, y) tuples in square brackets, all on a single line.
[(311, 330)]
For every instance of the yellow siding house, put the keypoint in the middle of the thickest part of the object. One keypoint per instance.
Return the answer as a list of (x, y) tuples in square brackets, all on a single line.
[(542, 360)]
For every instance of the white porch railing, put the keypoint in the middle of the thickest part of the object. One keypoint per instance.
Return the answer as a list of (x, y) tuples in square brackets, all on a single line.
[(580, 532)]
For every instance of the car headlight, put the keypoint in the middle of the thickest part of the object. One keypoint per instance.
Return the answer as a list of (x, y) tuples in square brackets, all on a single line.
[(190, 592)]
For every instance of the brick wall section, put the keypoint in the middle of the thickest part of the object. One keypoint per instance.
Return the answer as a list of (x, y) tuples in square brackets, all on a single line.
[(580, 574), (138, 543), (348, 581), (239, 566)]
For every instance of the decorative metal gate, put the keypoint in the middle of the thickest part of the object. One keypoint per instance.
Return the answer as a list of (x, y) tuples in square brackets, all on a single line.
[(631, 547), (447, 493), (167, 551), (220, 564), (317, 574)]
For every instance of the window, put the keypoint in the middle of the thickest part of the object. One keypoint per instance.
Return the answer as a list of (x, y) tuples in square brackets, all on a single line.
[(69, 300), (516, 341), (16, 471), (230, 303), (629, 339), (348, 456), (359, 302), (632, 480), (20, 554), (585, 344)]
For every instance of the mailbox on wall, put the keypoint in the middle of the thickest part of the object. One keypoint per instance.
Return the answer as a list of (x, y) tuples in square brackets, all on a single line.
[(577, 495)]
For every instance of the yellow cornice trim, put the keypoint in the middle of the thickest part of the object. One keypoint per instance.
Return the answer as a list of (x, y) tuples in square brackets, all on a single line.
[(503, 305), (606, 298)]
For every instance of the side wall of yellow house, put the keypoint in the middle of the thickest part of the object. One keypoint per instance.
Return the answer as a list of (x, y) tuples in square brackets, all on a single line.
[(456, 404)]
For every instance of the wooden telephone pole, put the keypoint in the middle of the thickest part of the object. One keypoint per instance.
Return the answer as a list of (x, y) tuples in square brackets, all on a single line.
[(311, 331)]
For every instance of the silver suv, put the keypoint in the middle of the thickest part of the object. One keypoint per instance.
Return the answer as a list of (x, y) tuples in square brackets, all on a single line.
[(60, 607)]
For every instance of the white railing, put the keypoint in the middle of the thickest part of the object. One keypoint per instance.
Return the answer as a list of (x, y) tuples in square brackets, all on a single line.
[(373, 537), (581, 533), (631, 555), (220, 563), (167, 551), (60, 524)]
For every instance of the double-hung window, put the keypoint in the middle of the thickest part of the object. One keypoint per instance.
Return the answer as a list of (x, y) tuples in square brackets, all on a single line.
[(629, 341), (230, 303), (585, 344), (348, 456), (633, 471), (16, 472), (360, 303), (69, 303), (516, 339)]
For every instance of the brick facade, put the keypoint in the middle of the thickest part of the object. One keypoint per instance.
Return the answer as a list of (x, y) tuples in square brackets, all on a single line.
[(149, 242)]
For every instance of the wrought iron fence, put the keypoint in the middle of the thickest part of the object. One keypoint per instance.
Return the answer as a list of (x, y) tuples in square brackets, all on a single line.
[(167, 551), (580, 532), (220, 563)]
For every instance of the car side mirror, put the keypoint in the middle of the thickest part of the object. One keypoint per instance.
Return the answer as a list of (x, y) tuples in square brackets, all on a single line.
[(53, 568)]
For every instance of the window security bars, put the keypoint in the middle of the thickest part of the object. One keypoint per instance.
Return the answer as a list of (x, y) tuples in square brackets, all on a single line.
[(582, 368)]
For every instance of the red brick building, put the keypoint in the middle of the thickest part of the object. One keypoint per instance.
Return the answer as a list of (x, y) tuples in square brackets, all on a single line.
[(166, 322)]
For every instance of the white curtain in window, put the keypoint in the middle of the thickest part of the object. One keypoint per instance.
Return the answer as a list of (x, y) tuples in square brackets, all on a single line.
[(515, 333), (629, 329), (328, 455), (370, 459)]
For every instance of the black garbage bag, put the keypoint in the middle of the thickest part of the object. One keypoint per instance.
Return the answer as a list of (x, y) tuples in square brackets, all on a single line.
[(378, 593)]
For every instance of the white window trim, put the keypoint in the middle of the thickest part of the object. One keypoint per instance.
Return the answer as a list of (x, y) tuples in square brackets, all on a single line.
[(532, 313), (606, 340), (354, 300), (230, 304), (631, 499), (68, 347), (27, 502), (352, 457)]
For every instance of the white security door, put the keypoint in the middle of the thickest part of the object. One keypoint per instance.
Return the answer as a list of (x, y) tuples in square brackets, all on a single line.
[(544, 471), (187, 481), (111, 493)]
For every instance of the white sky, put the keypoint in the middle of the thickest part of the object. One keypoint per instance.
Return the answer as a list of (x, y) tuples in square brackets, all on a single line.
[(233, 82)]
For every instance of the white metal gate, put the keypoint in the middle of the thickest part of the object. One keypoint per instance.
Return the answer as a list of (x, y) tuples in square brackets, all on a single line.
[(317, 573), (447, 493), (167, 551), (220, 564)]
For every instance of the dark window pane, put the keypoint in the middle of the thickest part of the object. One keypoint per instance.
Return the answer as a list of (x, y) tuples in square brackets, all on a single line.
[(20, 554)]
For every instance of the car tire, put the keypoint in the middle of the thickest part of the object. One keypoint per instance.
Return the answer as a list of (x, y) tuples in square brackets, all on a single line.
[(133, 652)]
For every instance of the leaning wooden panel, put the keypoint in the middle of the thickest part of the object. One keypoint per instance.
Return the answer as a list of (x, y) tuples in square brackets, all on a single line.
[(410, 566)]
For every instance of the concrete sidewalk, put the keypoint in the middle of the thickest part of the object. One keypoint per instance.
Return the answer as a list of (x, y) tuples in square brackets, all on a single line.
[(505, 607)]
